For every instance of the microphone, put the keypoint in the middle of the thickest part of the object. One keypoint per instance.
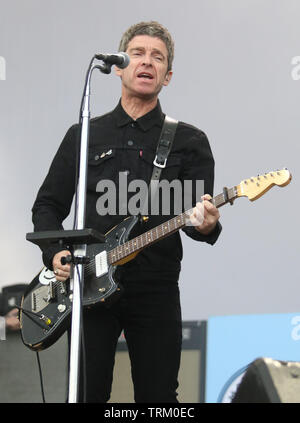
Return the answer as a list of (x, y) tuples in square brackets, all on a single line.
[(120, 59)]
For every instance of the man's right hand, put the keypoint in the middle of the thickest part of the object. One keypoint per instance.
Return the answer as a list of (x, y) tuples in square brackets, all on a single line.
[(62, 272)]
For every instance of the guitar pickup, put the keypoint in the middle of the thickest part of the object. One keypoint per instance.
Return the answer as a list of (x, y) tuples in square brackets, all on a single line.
[(101, 264)]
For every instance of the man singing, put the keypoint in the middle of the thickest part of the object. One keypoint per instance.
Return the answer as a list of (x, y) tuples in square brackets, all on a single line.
[(124, 141)]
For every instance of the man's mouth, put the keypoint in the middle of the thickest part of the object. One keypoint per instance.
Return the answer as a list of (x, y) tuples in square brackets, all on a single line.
[(145, 75)]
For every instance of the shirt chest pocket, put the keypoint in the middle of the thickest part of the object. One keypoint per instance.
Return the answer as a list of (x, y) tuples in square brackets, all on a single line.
[(101, 165), (169, 173)]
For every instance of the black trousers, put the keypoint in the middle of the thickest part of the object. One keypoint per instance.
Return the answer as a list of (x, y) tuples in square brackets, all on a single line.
[(150, 315)]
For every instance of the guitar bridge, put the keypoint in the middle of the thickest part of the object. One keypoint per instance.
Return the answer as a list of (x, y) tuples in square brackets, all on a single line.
[(39, 299)]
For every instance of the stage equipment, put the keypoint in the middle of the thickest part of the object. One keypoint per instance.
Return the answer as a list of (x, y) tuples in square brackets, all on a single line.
[(77, 240), (270, 381), (191, 375)]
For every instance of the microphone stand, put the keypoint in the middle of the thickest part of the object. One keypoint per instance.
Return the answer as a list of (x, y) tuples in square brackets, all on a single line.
[(79, 237), (77, 270)]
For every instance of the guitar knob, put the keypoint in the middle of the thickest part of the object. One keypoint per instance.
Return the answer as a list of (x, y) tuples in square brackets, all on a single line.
[(61, 308)]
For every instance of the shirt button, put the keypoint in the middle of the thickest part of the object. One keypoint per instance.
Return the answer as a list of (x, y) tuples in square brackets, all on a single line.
[(97, 157), (130, 142), (133, 125)]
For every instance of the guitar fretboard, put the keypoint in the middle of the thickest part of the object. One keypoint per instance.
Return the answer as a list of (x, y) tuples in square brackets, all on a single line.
[(227, 196), (163, 230)]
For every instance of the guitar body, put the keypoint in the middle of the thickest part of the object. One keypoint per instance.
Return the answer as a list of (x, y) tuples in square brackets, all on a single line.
[(47, 304)]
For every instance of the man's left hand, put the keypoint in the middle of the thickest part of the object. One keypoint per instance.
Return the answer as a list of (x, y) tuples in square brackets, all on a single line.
[(205, 215)]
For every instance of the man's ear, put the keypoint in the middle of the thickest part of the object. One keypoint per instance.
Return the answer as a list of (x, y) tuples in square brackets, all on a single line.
[(118, 71), (168, 77)]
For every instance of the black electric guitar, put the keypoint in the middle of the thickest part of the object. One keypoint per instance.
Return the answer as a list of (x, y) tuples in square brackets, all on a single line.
[(47, 304)]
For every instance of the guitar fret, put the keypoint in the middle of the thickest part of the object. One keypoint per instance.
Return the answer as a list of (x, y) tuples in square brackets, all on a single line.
[(120, 252), (218, 200), (162, 230), (174, 224)]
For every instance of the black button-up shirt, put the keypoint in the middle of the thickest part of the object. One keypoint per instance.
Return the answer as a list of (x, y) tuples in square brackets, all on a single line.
[(119, 145)]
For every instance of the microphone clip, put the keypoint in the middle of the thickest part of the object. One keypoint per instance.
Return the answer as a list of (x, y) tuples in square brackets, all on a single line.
[(106, 68), (120, 59)]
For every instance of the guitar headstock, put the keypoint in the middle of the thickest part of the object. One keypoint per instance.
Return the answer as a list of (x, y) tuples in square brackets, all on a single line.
[(253, 188)]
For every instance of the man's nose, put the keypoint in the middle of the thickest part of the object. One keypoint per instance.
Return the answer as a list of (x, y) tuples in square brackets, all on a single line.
[(147, 60)]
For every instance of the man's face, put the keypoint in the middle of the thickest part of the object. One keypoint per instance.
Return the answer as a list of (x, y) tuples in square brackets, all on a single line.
[(147, 72)]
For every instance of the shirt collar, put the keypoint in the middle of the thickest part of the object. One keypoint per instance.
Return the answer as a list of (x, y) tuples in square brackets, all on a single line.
[(146, 122)]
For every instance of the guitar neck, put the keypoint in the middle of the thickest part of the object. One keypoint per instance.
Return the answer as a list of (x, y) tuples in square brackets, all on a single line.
[(164, 229), (228, 196)]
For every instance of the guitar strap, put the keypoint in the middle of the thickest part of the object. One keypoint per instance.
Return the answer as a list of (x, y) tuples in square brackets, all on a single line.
[(163, 149)]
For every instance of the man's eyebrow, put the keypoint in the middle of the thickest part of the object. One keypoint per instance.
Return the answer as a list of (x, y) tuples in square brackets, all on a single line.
[(137, 48), (155, 50)]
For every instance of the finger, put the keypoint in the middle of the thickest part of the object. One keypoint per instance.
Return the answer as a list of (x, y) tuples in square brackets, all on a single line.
[(60, 270), (60, 279), (207, 197), (197, 217), (65, 267), (61, 275), (210, 207)]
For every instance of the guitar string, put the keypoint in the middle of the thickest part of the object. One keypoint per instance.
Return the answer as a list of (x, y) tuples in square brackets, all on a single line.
[(41, 296), (218, 201), (123, 250), (120, 249)]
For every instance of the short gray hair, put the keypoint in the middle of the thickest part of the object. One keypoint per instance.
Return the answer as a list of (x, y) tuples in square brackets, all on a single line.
[(153, 29)]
